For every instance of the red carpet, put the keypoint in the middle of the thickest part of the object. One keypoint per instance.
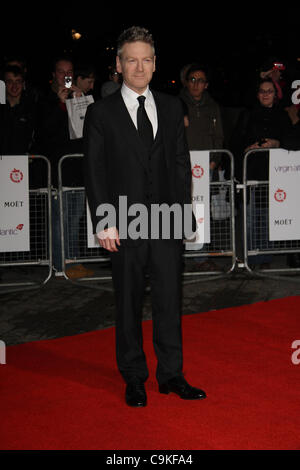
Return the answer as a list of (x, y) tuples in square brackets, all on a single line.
[(67, 393)]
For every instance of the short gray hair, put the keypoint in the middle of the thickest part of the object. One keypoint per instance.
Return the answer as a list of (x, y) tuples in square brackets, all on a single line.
[(134, 34)]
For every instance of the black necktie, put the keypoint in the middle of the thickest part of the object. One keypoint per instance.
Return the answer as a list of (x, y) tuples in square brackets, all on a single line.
[(144, 125)]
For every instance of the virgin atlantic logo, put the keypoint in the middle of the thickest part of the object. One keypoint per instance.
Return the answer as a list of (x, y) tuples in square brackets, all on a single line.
[(197, 171), (16, 176), (4, 232), (280, 195)]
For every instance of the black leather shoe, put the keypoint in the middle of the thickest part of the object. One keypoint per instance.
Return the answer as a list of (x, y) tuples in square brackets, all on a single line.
[(180, 386), (136, 394)]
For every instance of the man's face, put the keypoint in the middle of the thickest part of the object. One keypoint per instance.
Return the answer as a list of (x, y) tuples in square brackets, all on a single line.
[(85, 84), (14, 85), (196, 84), (137, 65), (63, 69)]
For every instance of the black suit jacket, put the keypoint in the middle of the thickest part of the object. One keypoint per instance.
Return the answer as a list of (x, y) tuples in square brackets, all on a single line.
[(114, 155)]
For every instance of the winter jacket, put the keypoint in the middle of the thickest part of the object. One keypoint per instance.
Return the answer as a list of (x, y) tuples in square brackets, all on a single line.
[(205, 130)]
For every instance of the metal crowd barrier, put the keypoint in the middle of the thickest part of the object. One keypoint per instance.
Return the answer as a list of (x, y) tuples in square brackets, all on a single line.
[(31, 269), (74, 228), (262, 256), (74, 224)]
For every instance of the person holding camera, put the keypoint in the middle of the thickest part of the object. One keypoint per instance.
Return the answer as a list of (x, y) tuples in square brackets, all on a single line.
[(54, 141), (53, 131), (63, 83)]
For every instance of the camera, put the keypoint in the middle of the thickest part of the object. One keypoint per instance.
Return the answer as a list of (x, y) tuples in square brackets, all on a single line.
[(278, 66), (68, 82)]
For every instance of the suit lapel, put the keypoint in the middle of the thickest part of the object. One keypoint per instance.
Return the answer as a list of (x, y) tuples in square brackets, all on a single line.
[(163, 126)]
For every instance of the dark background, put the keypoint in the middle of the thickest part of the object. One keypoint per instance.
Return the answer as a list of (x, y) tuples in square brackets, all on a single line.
[(234, 41)]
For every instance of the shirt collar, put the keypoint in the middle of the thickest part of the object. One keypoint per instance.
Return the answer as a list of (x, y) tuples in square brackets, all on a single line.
[(130, 96)]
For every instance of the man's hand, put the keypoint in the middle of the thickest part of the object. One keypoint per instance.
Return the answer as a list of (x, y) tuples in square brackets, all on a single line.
[(268, 143), (63, 94), (271, 143), (253, 146), (109, 239), (77, 93)]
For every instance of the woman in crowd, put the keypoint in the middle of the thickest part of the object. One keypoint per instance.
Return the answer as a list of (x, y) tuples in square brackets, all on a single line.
[(265, 126)]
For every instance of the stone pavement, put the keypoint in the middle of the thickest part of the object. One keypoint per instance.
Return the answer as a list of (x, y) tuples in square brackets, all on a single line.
[(62, 308)]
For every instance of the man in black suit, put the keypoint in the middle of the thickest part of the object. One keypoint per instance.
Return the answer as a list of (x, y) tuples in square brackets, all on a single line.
[(134, 146)]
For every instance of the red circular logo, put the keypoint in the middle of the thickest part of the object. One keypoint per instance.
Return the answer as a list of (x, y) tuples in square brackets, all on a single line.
[(280, 195), (16, 176), (197, 171)]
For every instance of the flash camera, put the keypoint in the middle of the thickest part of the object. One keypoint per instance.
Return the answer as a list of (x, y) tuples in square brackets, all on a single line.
[(278, 66), (68, 82)]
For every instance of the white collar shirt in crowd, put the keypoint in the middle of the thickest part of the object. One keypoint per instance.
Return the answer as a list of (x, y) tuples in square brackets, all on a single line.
[(130, 99)]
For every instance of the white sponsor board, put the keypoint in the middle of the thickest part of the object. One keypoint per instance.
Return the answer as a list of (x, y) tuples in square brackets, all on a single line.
[(2, 352), (2, 93), (14, 203), (200, 198), (284, 195)]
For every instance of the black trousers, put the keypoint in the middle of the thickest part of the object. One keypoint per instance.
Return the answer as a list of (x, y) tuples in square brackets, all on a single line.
[(162, 261)]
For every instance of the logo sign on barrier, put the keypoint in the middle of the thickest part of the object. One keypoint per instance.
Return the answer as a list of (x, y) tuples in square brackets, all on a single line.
[(14, 203), (2, 93), (2, 352), (284, 195), (200, 198)]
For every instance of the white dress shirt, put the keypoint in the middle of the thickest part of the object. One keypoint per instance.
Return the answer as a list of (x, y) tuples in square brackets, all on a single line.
[(130, 99)]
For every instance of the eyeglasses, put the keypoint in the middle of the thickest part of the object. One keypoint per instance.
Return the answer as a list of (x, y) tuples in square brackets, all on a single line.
[(196, 80), (266, 92)]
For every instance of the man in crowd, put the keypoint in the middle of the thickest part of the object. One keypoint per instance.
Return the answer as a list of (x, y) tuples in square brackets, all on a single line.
[(54, 141), (17, 116)]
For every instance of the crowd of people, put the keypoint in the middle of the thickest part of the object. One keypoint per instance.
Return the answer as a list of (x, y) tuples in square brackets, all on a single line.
[(36, 122)]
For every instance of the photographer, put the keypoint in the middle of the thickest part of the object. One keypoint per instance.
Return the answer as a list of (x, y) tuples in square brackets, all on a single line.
[(53, 132), (54, 142)]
